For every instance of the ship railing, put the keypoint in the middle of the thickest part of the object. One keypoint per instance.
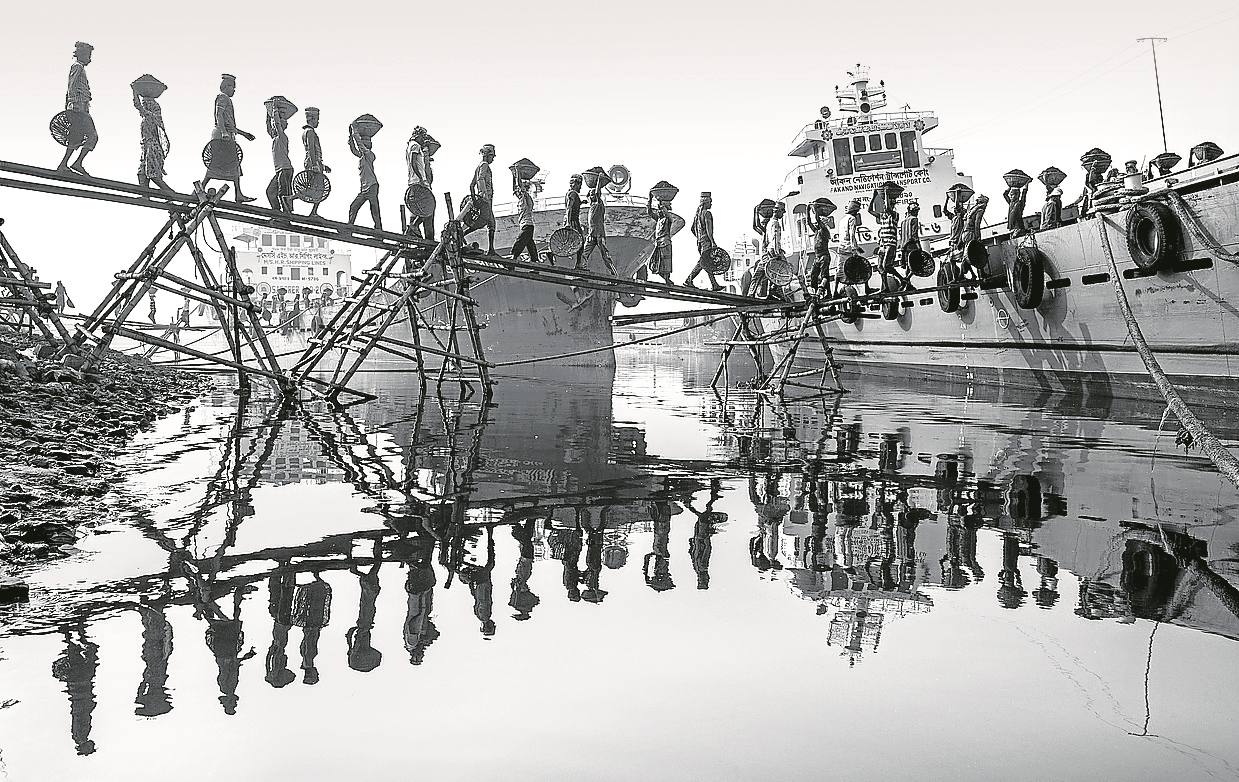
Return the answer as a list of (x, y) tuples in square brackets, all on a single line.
[(840, 123), (560, 203)]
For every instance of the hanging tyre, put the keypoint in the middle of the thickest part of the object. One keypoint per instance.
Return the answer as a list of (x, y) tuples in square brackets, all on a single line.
[(1028, 277), (1154, 236), (851, 308), (948, 292), (890, 304)]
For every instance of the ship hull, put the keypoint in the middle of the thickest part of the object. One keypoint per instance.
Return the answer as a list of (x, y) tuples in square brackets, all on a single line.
[(547, 325), (1076, 340)]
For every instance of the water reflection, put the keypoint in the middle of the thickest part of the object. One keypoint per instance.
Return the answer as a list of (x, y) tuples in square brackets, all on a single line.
[(868, 525)]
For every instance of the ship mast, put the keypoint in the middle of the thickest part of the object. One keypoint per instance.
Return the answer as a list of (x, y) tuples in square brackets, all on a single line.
[(1153, 42)]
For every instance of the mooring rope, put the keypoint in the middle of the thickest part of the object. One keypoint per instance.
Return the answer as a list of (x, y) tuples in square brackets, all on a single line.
[(611, 346), (1179, 204), (1222, 458)]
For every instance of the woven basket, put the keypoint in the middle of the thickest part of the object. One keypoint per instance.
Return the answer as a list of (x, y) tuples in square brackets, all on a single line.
[(1052, 177), (525, 169), (780, 272), (716, 260), (219, 150), (664, 191), (856, 270), (147, 86), (566, 241), (470, 214), (1016, 178), (420, 200), (312, 187), (68, 127), (366, 126), (919, 262)]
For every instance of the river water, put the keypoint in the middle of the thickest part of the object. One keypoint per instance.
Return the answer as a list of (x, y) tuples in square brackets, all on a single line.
[(613, 577)]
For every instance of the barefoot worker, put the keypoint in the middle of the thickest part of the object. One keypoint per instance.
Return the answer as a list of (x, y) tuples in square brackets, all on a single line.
[(225, 162), (703, 229), (482, 188), (77, 99), (154, 136), (313, 153)]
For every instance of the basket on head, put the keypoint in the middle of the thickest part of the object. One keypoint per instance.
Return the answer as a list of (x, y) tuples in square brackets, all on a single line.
[(780, 272), (595, 176), (313, 187), (1052, 177), (420, 200), (765, 207), (891, 191), (366, 126), (147, 86), (960, 193), (524, 169), (823, 207), (664, 191), (68, 127), (856, 270), (431, 145), (566, 241), (223, 152), (716, 260), (1095, 157), (1205, 152), (919, 262), (281, 106), (1016, 178)]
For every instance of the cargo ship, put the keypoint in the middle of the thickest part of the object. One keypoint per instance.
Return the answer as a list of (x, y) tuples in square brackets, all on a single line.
[(1045, 316)]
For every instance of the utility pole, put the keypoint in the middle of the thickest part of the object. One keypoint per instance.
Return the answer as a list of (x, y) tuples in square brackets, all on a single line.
[(1153, 42)]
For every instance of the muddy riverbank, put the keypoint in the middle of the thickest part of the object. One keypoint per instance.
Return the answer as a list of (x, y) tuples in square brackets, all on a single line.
[(61, 428)]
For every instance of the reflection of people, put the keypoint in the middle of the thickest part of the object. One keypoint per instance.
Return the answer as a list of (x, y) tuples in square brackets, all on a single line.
[(523, 599), (281, 586), (771, 509), (1046, 595), (361, 655), (595, 539), (658, 577), (572, 542), (77, 98), (701, 545), (225, 639), (153, 698), (1011, 592), (419, 629), (311, 612), (76, 667)]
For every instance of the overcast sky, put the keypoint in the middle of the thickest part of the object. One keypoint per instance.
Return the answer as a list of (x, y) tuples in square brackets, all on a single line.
[(707, 96)]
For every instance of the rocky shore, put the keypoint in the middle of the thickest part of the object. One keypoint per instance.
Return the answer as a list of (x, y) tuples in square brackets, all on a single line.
[(61, 429)]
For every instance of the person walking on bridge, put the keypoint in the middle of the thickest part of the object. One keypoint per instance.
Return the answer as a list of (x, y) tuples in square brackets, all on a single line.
[(572, 213), (524, 216), (598, 226), (83, 138), (225, 162), (703, 229), (482, 188), (314, 164)]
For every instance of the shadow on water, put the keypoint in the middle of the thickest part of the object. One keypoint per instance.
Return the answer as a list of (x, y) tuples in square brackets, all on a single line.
[(871, 507)]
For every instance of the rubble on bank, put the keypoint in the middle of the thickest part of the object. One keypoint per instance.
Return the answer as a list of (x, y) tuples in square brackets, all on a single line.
[(61, 428)]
